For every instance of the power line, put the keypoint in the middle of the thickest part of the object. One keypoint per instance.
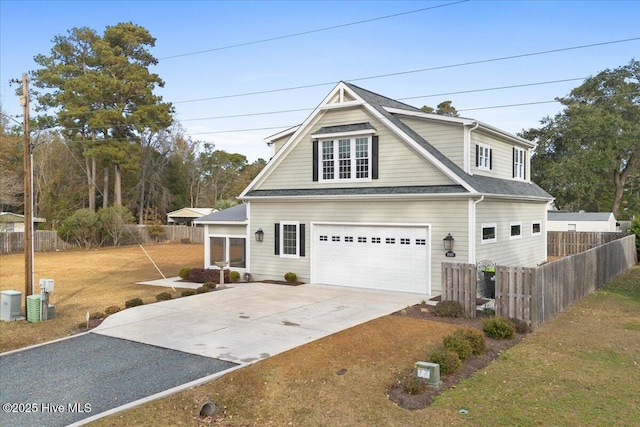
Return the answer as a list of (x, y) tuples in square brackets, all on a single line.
[(318, 30), (420, 70)]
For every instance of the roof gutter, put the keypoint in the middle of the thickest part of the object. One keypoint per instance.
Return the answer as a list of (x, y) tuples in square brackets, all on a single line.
[(467, 145), (472, 229)]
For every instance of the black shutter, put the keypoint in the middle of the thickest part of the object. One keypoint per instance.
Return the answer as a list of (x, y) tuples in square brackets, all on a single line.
[(490, 158), (302, 239), (477, 155), (276, 236), (374, 157), (513, 164), (315, 159)]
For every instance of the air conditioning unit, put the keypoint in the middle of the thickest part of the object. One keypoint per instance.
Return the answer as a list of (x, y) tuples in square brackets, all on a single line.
[(10, 305)]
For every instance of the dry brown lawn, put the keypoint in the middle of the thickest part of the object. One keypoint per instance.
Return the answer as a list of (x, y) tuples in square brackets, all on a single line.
[(90, 281)]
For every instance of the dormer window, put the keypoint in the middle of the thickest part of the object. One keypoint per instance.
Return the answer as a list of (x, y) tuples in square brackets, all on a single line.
[(519, 159), (483, 156), (345, 153)]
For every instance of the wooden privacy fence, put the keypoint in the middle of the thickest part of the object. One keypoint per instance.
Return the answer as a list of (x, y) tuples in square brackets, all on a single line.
[(48, 241), (539, 293), (563, 243)]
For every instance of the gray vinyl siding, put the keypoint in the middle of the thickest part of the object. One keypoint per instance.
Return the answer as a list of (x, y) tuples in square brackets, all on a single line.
[(502, 161), (448, 138), (443, 216), (528, 250), (278, 143), (398, 164)]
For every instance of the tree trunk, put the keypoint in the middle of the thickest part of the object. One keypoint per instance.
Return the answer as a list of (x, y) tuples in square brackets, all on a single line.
[(117, 190), (105, 189), (142, 199), (619, 180)]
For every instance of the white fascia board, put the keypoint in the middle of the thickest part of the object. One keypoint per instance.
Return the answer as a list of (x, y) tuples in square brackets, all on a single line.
[(340, 105), (339, 134), (508, 135), (430, 116), (361, 197), (516, 197), (421, 150), (279, 135)]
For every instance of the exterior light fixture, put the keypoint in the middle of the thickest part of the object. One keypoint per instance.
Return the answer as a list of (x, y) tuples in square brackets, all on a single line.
[(448, 245), (259, 235)]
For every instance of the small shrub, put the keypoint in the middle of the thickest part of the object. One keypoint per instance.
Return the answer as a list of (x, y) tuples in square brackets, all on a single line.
[(290, 277), (448, 360), (522, 327), (111, 310), (188, 293), (411, 384), (202, 290), (459, 345), (234, 276), (163, 296), (475, 338), (209, 286), (96, 315), (133, 303), (184, 273), (203, 275), (499, 328), (448, 309)]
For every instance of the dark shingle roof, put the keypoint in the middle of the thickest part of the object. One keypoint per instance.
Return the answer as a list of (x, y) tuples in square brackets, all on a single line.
[(427, 189), (236, 213)]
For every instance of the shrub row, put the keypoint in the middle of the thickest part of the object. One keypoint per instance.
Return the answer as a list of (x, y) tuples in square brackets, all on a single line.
[(203, 275)]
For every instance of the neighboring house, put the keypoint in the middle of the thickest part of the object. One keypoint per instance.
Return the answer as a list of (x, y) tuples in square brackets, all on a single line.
[(226, 235), (581, 221), (11, 222), (186, 216), (365, 191)]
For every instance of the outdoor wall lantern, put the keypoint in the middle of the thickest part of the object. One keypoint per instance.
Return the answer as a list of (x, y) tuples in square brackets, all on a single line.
[(448, 245), (259, 235)]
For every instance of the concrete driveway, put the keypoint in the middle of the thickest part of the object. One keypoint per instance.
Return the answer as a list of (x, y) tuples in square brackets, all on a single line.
[(252, 321)]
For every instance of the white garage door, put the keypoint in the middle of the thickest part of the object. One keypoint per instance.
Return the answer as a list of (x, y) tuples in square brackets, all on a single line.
[(377, 257)]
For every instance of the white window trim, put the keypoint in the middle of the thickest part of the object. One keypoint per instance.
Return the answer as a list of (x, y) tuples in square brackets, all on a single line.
[(539, 233), (519, 168), (487, 148), (515, 223), (282, 224), (227, 250), (336, 157), (488, 225)]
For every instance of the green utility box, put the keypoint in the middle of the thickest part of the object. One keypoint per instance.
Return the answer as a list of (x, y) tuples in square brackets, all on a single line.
[(33, 308)]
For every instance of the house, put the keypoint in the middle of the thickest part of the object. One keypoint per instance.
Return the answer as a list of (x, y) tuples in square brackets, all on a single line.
[(11, 222), (185, 216), (369, 192), (581, 221)]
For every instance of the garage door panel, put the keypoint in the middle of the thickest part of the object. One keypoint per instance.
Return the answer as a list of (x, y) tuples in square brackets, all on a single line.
[(378, 257)]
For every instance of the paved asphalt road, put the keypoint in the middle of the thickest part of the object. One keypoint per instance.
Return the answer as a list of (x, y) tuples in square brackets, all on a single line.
[(63, 382)]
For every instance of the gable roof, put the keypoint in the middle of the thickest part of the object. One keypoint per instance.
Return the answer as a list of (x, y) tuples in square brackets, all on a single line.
[(190, 212), (579, 216), (237, 213), (386, 109), (10, 217)]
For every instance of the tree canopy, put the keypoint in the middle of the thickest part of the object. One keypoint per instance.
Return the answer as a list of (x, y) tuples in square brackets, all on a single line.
[(587, 155), (445, 108)]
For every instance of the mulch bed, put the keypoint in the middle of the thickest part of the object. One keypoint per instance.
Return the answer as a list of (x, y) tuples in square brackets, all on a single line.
[(474, 363), (282, 282)]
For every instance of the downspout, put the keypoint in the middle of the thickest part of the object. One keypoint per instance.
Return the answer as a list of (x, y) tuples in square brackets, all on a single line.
[(467, 147), (472, 229)]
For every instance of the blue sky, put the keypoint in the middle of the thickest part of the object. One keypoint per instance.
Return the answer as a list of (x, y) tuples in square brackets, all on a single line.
[(455, 33)]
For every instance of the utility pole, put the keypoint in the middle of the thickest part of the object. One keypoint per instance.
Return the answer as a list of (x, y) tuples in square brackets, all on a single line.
[(28, 214)]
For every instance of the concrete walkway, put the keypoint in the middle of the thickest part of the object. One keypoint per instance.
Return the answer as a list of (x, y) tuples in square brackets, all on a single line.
[(251, 321)]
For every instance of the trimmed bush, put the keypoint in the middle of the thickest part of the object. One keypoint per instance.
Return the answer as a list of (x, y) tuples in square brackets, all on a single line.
[(96, 315), (184, 273), (290, 277), (203, 275), (498, 328), (448, 360), (234, 276), (163, 296), (188, 293), (111, 310), (134, 302), (411, 384), (448, 309), (522, 327), (459, 345), (202, 290), (475, 338), (209, 286)]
